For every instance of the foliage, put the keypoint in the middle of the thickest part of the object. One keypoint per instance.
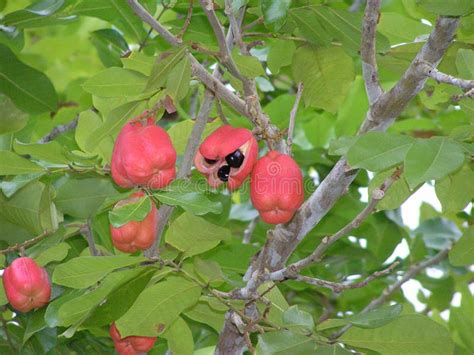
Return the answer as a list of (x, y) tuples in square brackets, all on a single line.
[(86, 67)]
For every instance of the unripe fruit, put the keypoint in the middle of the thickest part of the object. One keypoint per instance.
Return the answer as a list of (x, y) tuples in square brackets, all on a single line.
[(276, 187), (143, 156), (131, 345), (135, 235), (227, 156), (26, 285)]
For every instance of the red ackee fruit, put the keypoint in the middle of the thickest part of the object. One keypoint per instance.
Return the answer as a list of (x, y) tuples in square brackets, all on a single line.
[(26, 285), (227, 155), (132, 345), (143, 156), (135, 235), (276, 187)]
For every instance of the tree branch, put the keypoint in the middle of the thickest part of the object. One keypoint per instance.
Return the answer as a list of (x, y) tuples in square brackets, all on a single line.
[(338, 287), (226, 56), (367, 51), (468, 94), (187, 21), (249, 230), (294, 110), (235, 27), (56, 131), (86, 230), (441, 77), (390, 290)]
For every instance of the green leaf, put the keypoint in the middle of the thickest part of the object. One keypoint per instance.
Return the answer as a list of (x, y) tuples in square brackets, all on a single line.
[(134, 211), (115, 81), (180, 338), (432, 159), (401, 29), (208, 270), (448, 8), (51, 152), (82, 197), (375, 151), (35, 324), (438, 233), (116, 119), (377, 317), (280, 55), (395, 195), (163, 67), (110, 45), (30, 90), (162, 303), (294, 317), (55, 253), (326, 73), (179, 133), (193, 202), (31, 208), (456, 190), (320, 25), (410, 334), (465, 63), (39, 14), (249, 66), (114, 11), (12, 164), (85, 271), (140, 62), (11, 118), (462, 254), (275, 11), (88, 123), (122, 297), (285, 342), (178, 80), (193, 235), (202, 312), (331, 350)]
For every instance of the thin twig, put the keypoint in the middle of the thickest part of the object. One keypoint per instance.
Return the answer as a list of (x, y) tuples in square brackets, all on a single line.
[(294, 110), (220, 112), (86, 230), (56, 131), (234, 25), (225, 57), (338, 287), (441, 77), (367, 51), (249, 230), (356, 5), (143, 43), (390, 290), (254, 23), (468, 94), (187, 21)]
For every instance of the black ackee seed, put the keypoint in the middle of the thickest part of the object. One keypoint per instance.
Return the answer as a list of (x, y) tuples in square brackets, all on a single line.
[(235, 159), (210, 161), (223, 173)]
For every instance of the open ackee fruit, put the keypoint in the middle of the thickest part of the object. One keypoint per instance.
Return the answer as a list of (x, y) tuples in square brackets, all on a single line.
[(227, 156)]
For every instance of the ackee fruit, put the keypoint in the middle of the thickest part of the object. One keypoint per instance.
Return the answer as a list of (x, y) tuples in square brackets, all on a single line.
[(132, 345)]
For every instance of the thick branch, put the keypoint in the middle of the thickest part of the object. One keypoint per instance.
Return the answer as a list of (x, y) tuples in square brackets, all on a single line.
[(390, 290), (367, 51), (441, 77)]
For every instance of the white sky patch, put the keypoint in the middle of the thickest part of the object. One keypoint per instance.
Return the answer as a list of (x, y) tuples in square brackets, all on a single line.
[(411, 207)]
